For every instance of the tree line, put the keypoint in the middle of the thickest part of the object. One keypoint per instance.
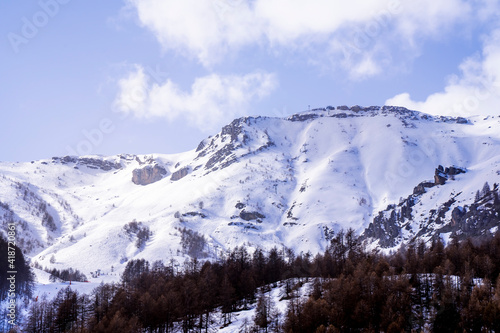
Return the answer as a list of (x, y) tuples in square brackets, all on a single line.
[(439, 289), (447, 289)]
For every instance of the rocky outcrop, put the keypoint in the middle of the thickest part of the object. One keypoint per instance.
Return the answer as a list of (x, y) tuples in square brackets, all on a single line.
[(94, 163), (179, 174), (404, 114), (233, 129), (420, 188), (356, 108), (65, 159), (89, 162), (148, 175), (249, 216), (224, 157), (441, 175), (387, 226), (477, 218), (384, 228), (303, 117), (456, 215), (222, 146), (201, 146), (193, 214)]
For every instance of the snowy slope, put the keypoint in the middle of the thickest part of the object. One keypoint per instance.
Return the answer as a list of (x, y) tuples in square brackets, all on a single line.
[(260, 182)]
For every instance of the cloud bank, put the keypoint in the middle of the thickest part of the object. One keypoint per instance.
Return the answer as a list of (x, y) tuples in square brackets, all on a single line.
[(354, 35)]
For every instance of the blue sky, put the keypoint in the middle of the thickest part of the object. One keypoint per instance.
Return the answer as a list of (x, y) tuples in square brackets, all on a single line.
[(158, 76)]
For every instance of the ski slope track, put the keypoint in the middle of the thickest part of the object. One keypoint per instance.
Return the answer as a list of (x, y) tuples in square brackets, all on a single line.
[(260, 182)]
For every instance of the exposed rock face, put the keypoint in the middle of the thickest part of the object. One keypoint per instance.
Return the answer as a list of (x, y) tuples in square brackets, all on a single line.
[(441, 174), (249, 216), (99, 164), (384, 228), (439, 179), (201, 146), (420, 188), (92, 163), (193, 214), (234, 128), (148, 175), (222, 147), (180, 174), (303, 117), (226, 154), (356, 108), (388, 224), (456, 215), (474, 219)]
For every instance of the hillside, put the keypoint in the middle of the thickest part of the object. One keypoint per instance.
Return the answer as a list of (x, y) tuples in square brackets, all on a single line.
[(260, 182)]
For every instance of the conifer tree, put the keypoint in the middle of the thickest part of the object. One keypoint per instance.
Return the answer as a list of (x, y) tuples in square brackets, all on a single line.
[(486, 189)]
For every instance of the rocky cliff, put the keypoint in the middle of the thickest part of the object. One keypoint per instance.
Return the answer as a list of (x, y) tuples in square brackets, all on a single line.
[(148, 174)]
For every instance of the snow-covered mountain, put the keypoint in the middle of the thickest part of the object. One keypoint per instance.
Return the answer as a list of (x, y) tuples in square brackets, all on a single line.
[(261, 182)]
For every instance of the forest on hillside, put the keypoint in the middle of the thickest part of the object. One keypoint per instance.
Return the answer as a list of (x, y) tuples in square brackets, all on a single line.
[(421, 288)]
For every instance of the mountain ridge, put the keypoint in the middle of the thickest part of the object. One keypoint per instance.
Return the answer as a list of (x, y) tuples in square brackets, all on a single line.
[(261, 181)]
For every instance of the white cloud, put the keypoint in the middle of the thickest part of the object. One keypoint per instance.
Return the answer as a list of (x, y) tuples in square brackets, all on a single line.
[(431, 18), (203, 29), (364, 67), (285, 21), (213, 99), (475, 91), (208, 30), (133, 93)]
